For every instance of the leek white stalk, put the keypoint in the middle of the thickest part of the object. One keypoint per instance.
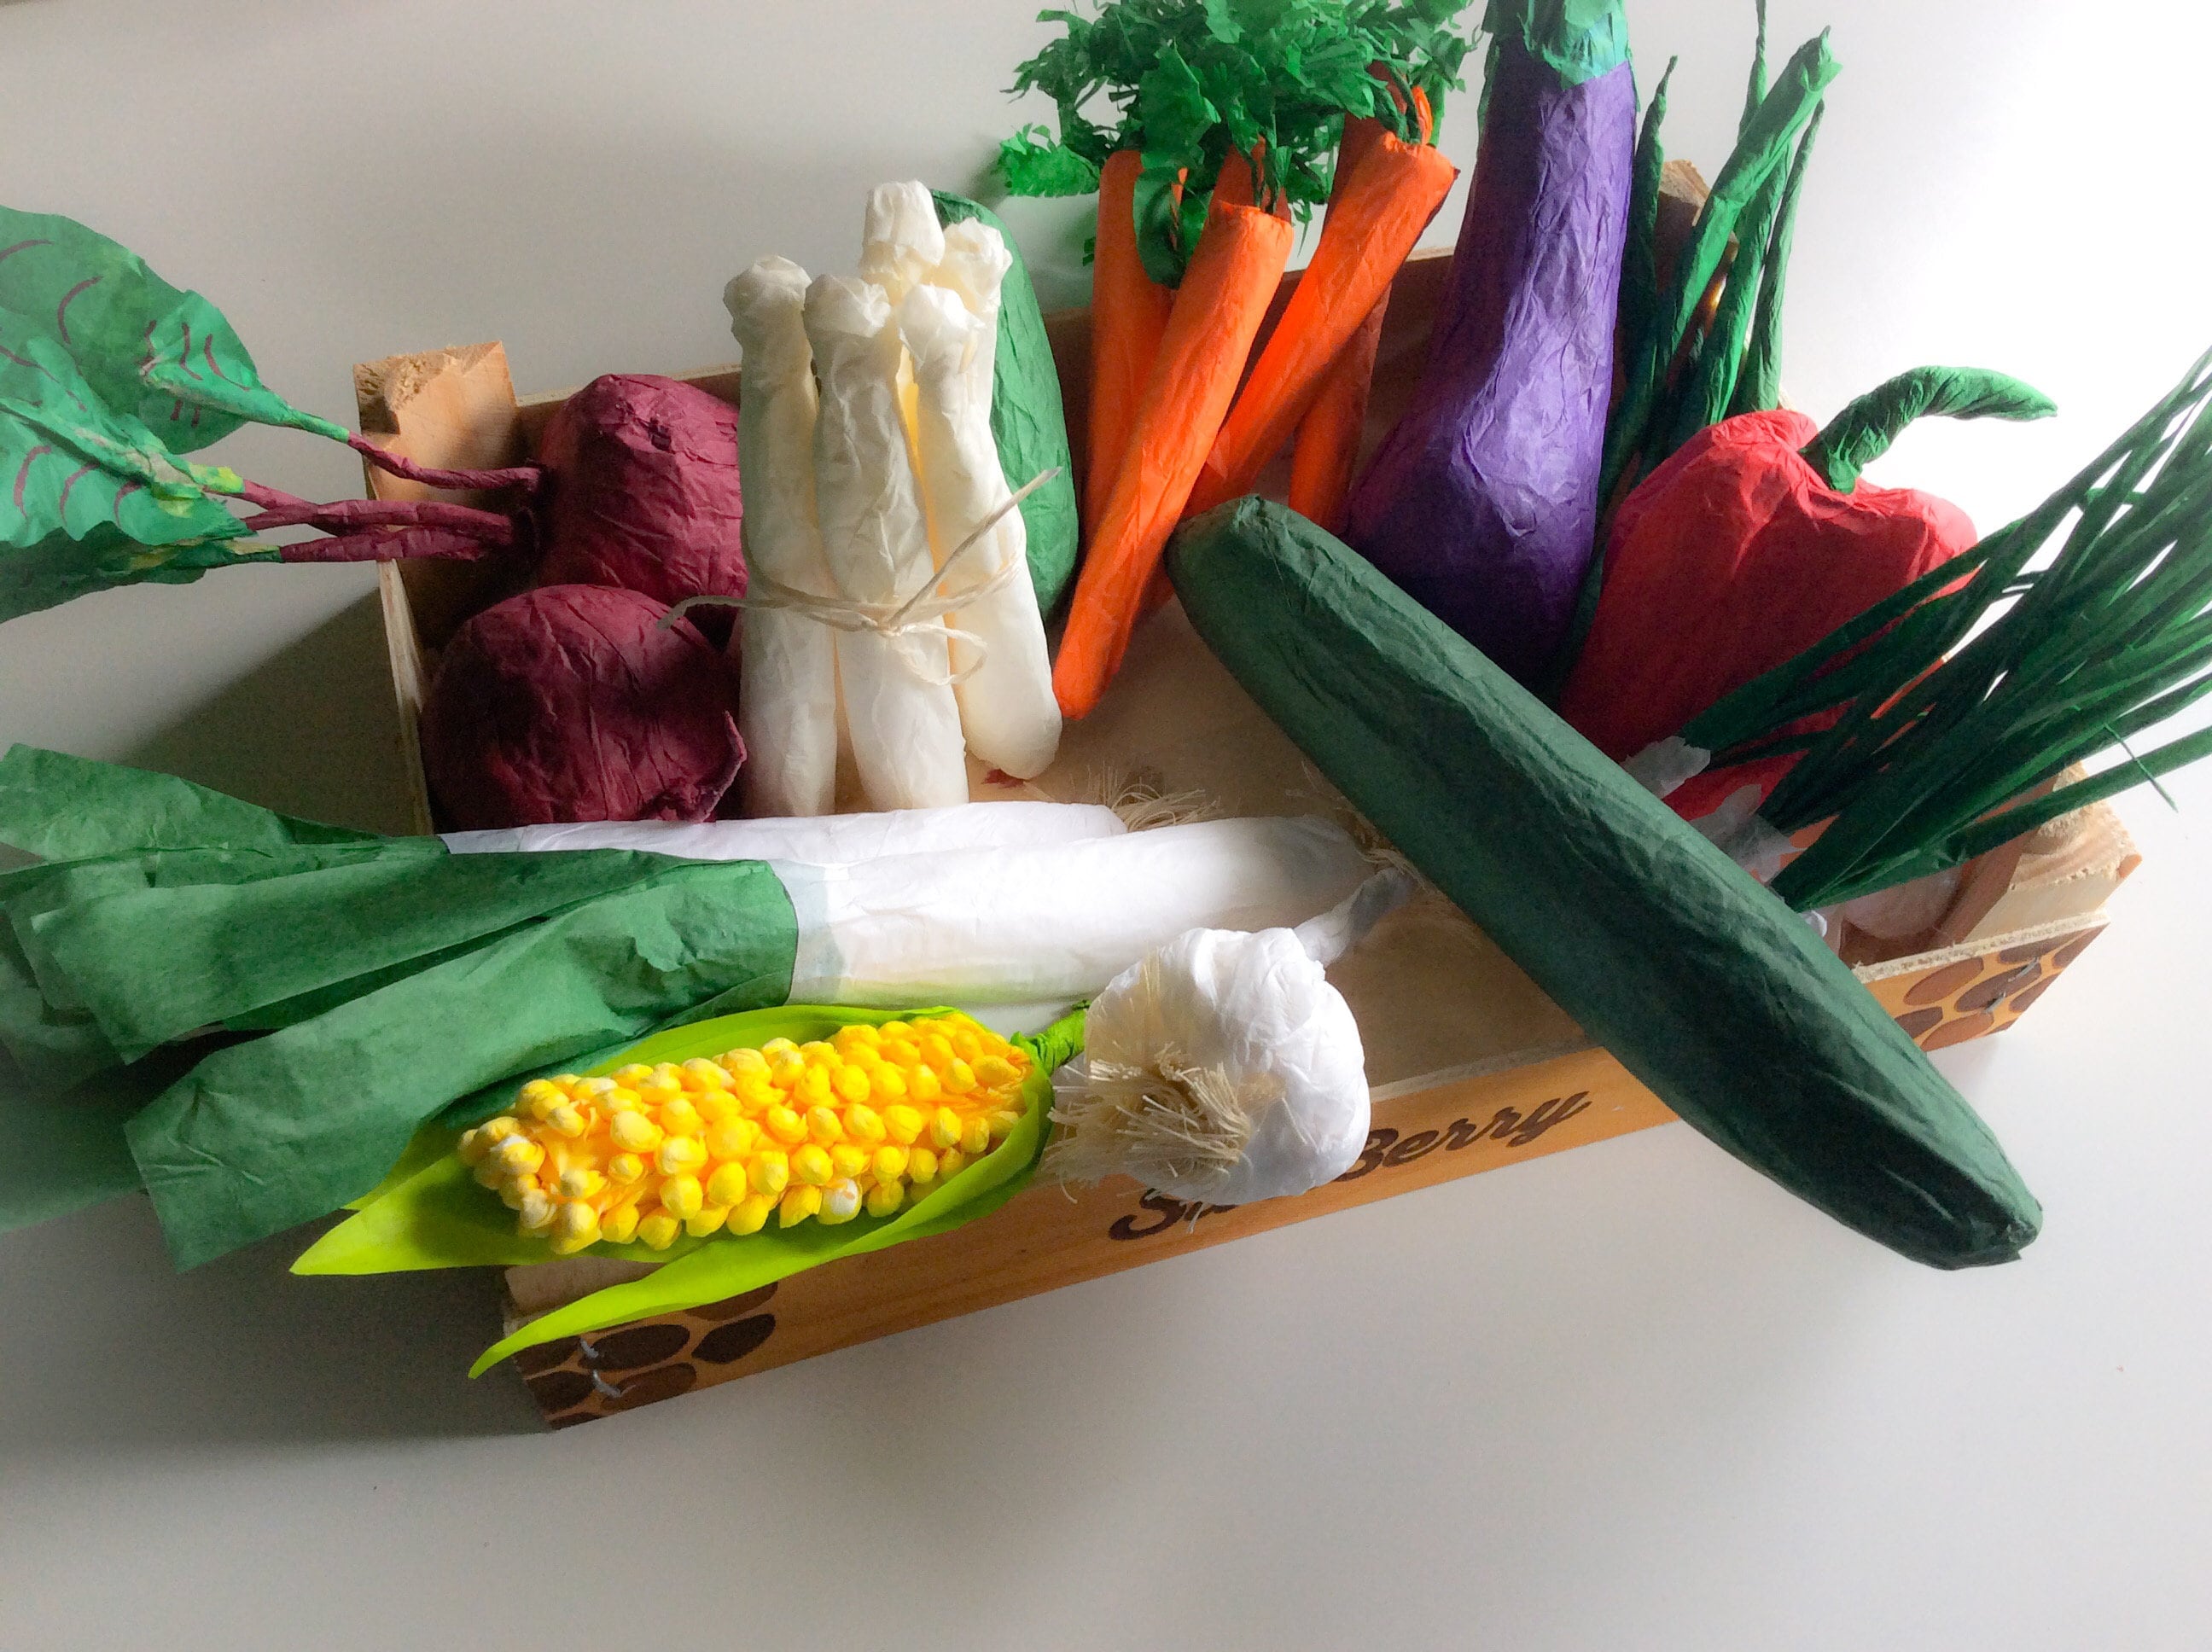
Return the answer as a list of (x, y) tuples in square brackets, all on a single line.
[(787, 661), (899, 705), (1007, 709)]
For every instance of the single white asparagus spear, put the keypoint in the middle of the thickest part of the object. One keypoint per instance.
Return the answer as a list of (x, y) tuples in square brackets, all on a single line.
[(1007, 704), (901, 240), (825, 840), (786, 661), (974, 266), (899, 705), (1025, 924)]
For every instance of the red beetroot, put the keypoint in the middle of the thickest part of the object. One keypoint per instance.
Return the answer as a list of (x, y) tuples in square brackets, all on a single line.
[(641, 490), (569, 703)]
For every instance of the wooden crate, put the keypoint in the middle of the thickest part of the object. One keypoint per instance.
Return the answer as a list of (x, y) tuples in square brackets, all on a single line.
[(1473, 1068)]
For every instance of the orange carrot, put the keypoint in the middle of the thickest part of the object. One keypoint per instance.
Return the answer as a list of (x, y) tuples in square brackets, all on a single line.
[(1226, 291), (1128, 313), (1327, 445), (1393, 192)]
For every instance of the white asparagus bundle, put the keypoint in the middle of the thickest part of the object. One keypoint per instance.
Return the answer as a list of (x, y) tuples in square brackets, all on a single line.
[(825, 840), (1007, 709), (1024, 926), (899, 705), (974, 266), (787, 661), (901, 242)]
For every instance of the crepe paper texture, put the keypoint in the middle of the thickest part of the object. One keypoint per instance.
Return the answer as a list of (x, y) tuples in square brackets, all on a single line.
[(1746, 548), (1709, 992), (1028, 420), (1482, 503), (720, 1269), (573, 702), (1193, 82), (108, 376), (641, 491), (1933, 727)]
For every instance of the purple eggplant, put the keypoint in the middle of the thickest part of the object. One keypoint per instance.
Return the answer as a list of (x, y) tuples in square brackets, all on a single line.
[(1482, 503)]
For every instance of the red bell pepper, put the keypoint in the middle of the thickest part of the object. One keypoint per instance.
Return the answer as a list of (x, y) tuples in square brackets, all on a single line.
[(1755, 541)]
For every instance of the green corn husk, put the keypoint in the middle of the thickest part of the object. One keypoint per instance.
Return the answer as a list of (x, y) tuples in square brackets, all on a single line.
[(1935, 734)]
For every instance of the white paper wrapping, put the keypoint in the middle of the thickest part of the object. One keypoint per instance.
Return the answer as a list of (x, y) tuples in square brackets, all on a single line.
[(899, 706), (788, 662), (824, 839), (1021, 926), (901, 240), (1007, 710), (974, 266)]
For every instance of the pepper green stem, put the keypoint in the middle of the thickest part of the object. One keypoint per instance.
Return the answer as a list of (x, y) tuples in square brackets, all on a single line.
[(1862, 432)]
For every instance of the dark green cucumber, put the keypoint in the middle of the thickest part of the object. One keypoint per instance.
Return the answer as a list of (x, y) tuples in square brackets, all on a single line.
[(1702, 984)]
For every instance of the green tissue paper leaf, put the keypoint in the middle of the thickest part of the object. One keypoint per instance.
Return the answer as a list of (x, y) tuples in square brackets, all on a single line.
[(163, 355), (1031, 163)]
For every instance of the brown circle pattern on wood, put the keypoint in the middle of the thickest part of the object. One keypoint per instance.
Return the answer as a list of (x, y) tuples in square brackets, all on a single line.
[(559, 1390), (1944, 981), (2072, 949), (638, 1345), (2020, 1005), (1916, 1023), (661, 1383), (577, 1380), (1985, 994), (2029, 953), (733, 1308), (1958, 1031), (725, 1345)]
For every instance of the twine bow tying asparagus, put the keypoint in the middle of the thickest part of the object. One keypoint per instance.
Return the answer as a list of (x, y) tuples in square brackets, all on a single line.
[(925, 612)]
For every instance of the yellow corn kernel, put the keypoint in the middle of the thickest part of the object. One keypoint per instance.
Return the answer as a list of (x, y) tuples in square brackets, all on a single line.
[(901, 1052), (575, 1225), (667, 1073), (959, 1077), (966, 1044), (487, 1175), (922, 1165), (950, 1162), (567, 1119), (886, 1084), (814, 1088), (658, 1232), (840, 1202), (680, 1118), (635, 1134), (656, 1097), (785, 1125), (518, 1155), (706, 1221), (945, 1128), (514, 1190), (810, 1165), (926, 1088), (732, 1141), (904, 1125), (851, 1083), (590, 1089), (750, 1214), (743, 1064), (719, 1105), (636, 1072), (728, 1185), (619, 1225), (896, 1029), (624, 1168), (682, 1196), (885, 1198), (820, 1052), (975, 1135), (536, 1210), (845, 1040), (757, 1095), (472, 1147), (771, 1172), (701, 1074), (786, 1068), (864, 1124), (847, 1160), (680, 1154), (823, 1124), (776, 1047), (797, 1205), (937, 1050), (576, 1182), (1002, 1124), (888, 1163), (996, 1072), (613, 1102), (497, 1128)]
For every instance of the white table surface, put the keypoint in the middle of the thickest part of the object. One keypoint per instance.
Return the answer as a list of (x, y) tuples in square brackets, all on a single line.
[(1627, 1396)]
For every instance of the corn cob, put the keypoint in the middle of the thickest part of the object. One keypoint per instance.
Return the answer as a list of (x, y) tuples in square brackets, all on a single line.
[(865, 1120)]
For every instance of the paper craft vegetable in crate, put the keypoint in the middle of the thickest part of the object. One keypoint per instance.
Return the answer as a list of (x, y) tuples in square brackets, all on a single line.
[(1709, 992), (1245, 102), (1482, 503), (1755, 541), (1926, 731), (573, 702), (382, 981)]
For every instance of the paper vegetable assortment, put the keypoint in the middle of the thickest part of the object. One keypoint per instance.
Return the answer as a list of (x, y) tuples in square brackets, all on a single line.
[(745, 752)]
